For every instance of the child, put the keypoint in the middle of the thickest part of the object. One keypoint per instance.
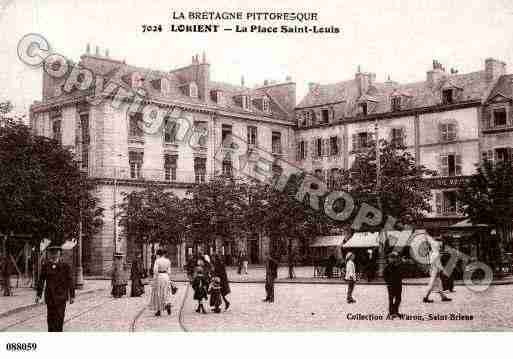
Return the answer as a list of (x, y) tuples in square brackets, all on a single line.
[(215, 294), (200, 285)]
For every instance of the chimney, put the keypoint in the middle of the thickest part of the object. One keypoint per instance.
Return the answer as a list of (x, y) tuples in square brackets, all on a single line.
[(494, 69), (97, 50), (88, 48), (192, 61), (106, 52), (266, 82), (242, 80), (364, 80), (288, 78), (434, 75), (204, 58)]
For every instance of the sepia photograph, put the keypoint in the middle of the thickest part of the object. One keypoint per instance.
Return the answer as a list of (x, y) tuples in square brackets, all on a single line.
[(226, 167)]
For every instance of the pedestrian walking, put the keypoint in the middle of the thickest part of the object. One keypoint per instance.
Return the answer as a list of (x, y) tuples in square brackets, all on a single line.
[(350, 276), (393, 276), (200, 287), (239, 263), (136, 273), (271, 274), (435, 284), (446, 277), (5, 276), (160, 289), (118, 280), (245, 262), (292, 263), (214, 290), (220, 272), (56, 275)]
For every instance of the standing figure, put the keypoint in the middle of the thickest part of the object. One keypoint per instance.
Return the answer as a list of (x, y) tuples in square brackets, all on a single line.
[(394, 279), (447, 279), (292, 263), (214, 290), (136, 273), (350, 277), (5, 276), (200, 287), (161, 290), (220, 272), (119, 282), (239, 263), (271, 274), (435, 284), (332, 261), (245, 262), (59, 288)]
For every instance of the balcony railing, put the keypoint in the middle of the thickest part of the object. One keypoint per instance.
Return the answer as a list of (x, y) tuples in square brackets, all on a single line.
[(145, 174)]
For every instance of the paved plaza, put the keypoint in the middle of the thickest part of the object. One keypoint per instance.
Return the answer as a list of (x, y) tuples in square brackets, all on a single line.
[(298, 307)]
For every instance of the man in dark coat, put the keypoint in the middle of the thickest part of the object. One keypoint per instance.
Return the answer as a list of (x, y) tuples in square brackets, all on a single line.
[(5, 274), (394, 279), (59, 288), (136, 273), (271, 274), (220, 271)]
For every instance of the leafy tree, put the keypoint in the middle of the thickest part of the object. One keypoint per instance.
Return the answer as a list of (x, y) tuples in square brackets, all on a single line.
[(487, 198), (152, 215), (401, 194), (42, 191), (215, 209)]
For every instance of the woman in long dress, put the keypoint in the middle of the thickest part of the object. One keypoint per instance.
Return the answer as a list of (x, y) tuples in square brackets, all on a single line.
[(161, 290), (118, 277)]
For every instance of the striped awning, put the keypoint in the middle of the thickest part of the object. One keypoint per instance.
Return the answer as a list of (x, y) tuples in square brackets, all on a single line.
[(328, 241), (363, 240)]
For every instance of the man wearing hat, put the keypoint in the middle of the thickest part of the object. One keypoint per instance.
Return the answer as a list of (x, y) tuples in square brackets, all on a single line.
[(394, 279), (59, 288)]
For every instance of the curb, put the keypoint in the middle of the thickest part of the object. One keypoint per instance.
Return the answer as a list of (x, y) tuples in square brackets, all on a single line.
[(33, 305)]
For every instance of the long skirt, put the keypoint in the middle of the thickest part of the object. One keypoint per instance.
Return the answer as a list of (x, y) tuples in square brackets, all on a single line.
[(160, 292)]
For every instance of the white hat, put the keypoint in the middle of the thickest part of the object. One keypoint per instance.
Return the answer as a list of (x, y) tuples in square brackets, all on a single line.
[(207, 258), (348, 255)]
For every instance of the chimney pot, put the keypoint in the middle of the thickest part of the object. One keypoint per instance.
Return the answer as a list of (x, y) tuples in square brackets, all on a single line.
[(97, 50), (242, 80), (204, 58), (88, 48), (288, 78), (106, 52), (266, 82)]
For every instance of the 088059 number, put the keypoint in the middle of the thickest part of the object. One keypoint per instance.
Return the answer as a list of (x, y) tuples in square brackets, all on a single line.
[(21, 347)]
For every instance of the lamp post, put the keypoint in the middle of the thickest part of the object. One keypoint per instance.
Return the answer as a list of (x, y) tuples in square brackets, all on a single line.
[(381, 247)]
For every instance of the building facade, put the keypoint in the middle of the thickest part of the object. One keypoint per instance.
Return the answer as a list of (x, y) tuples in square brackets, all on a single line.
[(449, 122), (121, 155)]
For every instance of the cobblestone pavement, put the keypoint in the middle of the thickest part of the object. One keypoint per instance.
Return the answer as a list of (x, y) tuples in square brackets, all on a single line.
[(25, 296), (98, 311), (299, 307), (323, 307)]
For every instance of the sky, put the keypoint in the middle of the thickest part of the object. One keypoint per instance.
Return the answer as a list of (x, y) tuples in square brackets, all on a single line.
[(392, 38)]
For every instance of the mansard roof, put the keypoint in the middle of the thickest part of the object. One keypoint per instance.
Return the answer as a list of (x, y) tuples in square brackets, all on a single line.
[(470, 86)]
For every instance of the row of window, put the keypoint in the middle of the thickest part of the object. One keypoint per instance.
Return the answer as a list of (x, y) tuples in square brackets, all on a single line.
[(497, 118), (252, 138), (136, 159), (307, 117)]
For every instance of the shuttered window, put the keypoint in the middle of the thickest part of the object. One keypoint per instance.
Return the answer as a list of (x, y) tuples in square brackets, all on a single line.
[(170, 166)]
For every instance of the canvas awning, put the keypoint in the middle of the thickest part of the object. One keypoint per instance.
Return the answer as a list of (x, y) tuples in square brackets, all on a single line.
[(398, 238), (328, 241), (363, 240)]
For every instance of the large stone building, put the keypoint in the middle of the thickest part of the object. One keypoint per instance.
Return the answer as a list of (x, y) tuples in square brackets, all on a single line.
[(450, 122), (121, 156)]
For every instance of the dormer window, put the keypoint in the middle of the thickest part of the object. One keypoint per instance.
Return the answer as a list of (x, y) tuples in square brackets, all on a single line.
[(193, 90), (246, 102), (363, 108), (266, 106), (218, 96), (447, 96), (396, 103)]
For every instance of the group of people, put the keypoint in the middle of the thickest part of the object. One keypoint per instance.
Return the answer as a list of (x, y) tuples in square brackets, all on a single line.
[(209, 278), (393, 274)]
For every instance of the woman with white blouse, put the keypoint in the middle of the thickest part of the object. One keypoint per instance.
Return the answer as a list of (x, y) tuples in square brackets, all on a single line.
[(161, 290)]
